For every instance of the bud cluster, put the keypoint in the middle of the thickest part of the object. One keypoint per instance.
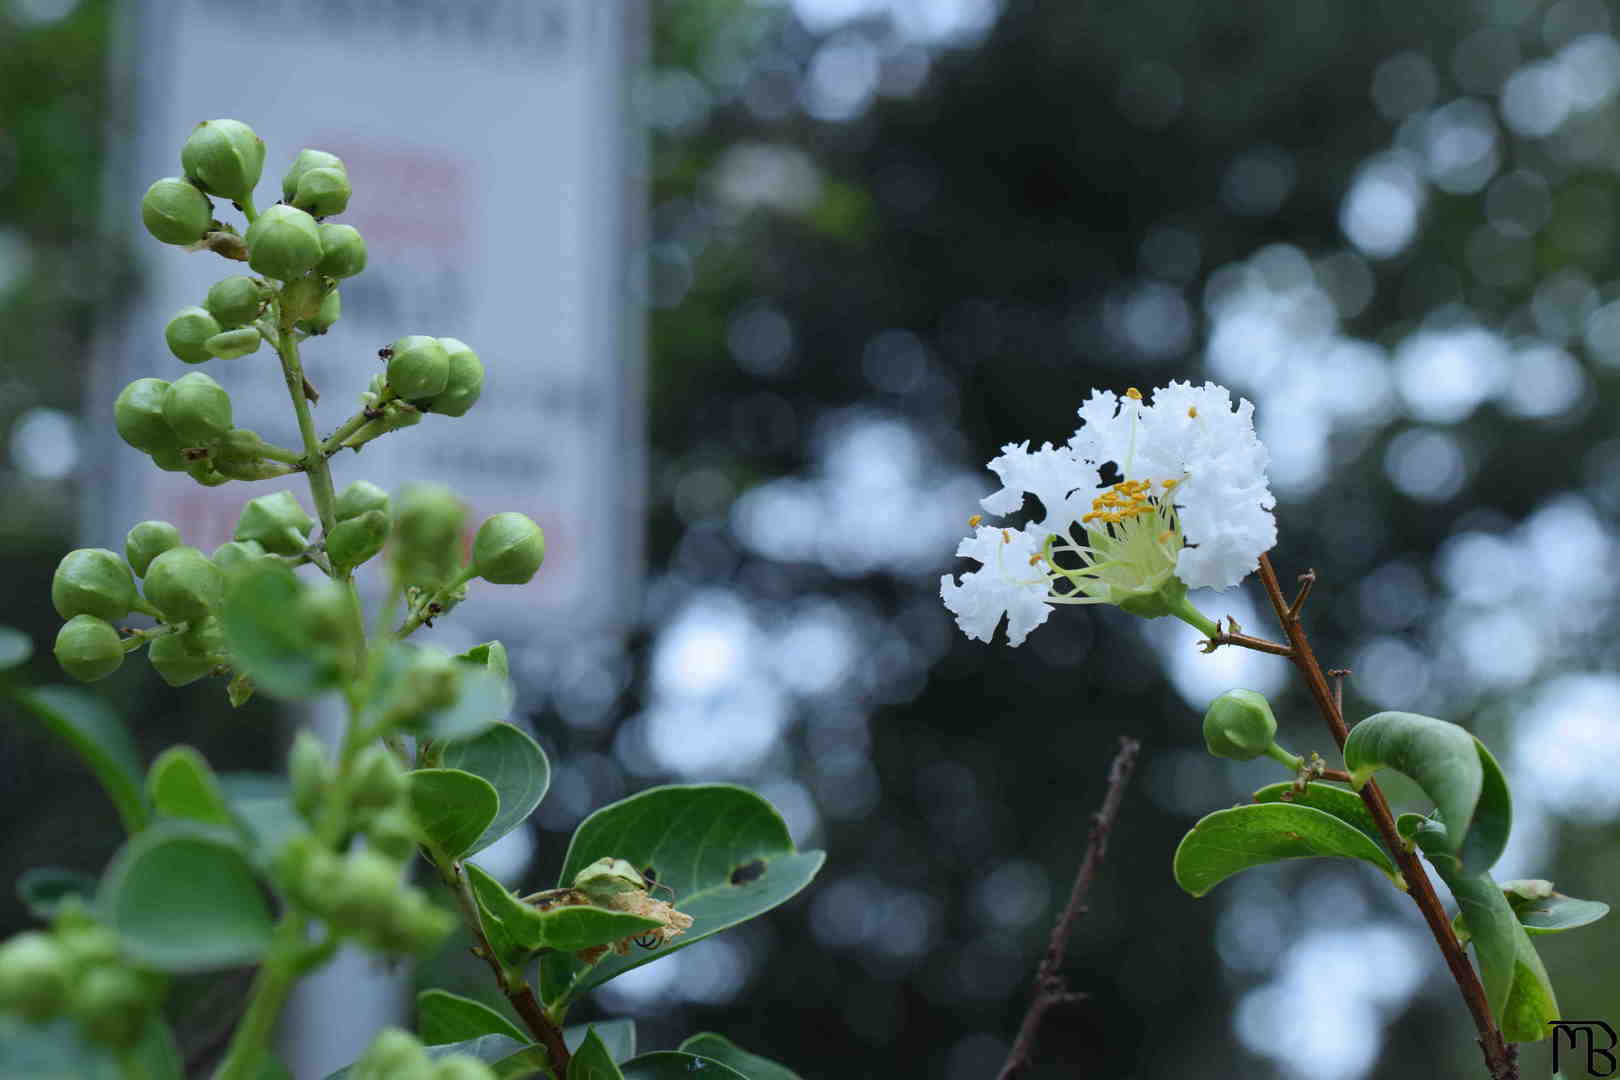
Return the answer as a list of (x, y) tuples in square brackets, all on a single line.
[(398, 1055), (361, 895), (75, 970)]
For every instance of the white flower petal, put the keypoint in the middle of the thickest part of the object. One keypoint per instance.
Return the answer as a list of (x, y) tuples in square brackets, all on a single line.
[(1063, 483), (1005, 584)]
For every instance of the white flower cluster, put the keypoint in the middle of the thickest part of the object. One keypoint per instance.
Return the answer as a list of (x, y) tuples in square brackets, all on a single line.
[(1191, 510)]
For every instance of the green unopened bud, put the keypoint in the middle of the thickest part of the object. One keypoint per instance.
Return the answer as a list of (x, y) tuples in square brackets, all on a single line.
[(89, 648), (326, 316), (343, 251), (465, 384), (202, 470), (393, 832), (187, 331), (197, 409), (414, 924), (1239, 725), (323, 192), (277, 522), (359, 497), (85, 942), (305, 869), (176, 662), (378, 781), (352, 542), (284, 243), (171, 459), (147, 541), (240, 456), (509, 549), (306, 161), (461, 1067), (310, 772), (366, 891), (326, 613), (230, 344), (92, 581), (111, 1005), (235, 555), (138, 415), (206, 637), (392, 1055), (418, 367), (432, 682), (35, 976), (235, 301), (226, 157), (427, 535), (175, 212), (301, 299), (184, 584)]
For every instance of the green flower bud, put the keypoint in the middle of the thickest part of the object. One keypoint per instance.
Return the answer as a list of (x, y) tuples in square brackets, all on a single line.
[(175, 212), (301, 299), (197, 409), (418, 367), (226, 157), (378, 782), (343, 251), (323, 192), (234, 555), (202, 470), (392, 1055), (89, 648), (427, 535), (184, 584), (229, 344), (35, 976), (306, 161), (111, 1005), (206, 638), (176, 662), (277, 522), (465, 384), (393, 832), (326, 613), (147, 541), (85, 942), (1239, 725), (414, 924), (358, 497), (138, 415), (306, 870), (326, 316), (461, 1067), (235, 301), (283, 243), (171, 459), (365, 893), (240, 456), (352, 542), (92, 581), (310, 772), (187, 331), (509, 549)]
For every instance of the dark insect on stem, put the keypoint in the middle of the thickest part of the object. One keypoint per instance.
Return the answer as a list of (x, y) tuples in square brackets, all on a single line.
[(385, 353), (649, 940)]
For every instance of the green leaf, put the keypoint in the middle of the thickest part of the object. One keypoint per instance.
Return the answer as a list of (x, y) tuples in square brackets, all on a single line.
[(675, 1065), (52, 1050), (157, 1053), (514, 765), (723, 850), (484, 698), (183, 899), (16, 648), (453, 808), (1227, 841), (239, 690), (98, 736), (719, 1048), (592, 1061), (1342, 804), (181, 785), (443, 1017), (1541, 910), (268, 634), (507, 1058), (42, 889), (262, 807), (524, 928), (1516, 984), (1451, 766), (491, 655), (619, 1036)]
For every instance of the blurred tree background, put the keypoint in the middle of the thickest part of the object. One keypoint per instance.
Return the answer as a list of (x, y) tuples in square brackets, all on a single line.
[(890, 236)]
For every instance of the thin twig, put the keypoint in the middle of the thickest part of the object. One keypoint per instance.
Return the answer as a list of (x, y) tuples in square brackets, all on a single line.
[(1338, 675), (1050, 987), (1306, 580), (1501, 1057)]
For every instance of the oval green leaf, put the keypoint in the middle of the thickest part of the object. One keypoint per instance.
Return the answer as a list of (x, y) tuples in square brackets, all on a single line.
[(443, 1017), (619, 1036), (1342, 804), (453, 808), (42, 889), (1515, 981), (100, 738), (592, 1061), (15, 648), (183, 899), (514, 765), (724, 851), (676, 1065), (1227, 841), (181, 785), (268, 635), (719, 1048)]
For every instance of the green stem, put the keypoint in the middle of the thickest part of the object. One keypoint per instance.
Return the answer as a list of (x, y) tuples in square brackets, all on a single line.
[(283, 963), (249, 211), (424, 610), (1183, 609), (1292, 762), (281, 454), (334, 442)]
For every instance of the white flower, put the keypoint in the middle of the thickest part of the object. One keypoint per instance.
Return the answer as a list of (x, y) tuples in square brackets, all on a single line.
[(1010, 581)]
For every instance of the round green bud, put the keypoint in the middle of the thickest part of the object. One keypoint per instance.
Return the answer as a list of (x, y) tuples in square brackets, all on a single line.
[(310, 772), (111, 1005), (226, 157), (509, 549), (184, 584), (414, 924), (147, 541), (277, 522), (138, 415), (92, 581), (187, 331), (352, 542), (306, 870), (171, 459), (301, 299), (365, 894), (306, 161), (230, 344), (85, 942), (358, 497), (392, 1055), (1239, 725), (323, 192), (393, 832), (89, 648), (177, 663), (343, 251), (284, 243), (175, 212), (433, 682), (377, 782), (326, 316), (35, 975), (234, 555), (418, 367), (235, 301), (197, 409), (427, 535), (206, 638), (202, 470), (461, 1067), (326, 613), (465, 384)]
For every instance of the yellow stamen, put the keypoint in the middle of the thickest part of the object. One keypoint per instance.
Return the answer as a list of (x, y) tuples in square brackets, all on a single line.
[(1006, 536), (973, 522), (1192, 411), (1134, 394), (1168, 484), (1035, 559)]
